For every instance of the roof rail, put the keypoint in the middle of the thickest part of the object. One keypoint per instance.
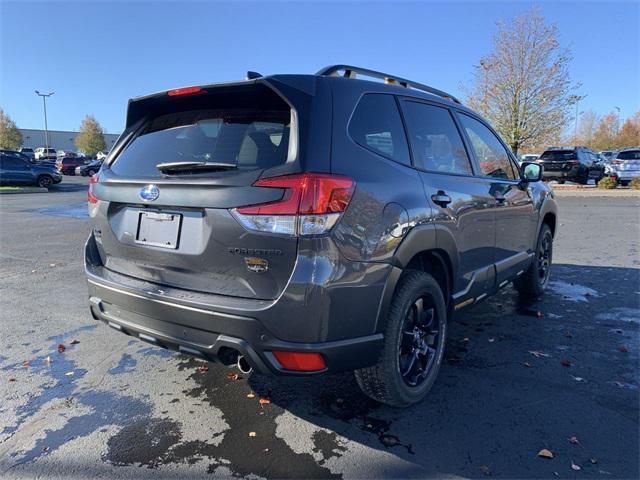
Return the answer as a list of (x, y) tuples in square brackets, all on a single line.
[(350, 72)]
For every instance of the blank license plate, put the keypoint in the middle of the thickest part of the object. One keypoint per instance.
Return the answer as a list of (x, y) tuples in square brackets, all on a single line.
[(159, 229)]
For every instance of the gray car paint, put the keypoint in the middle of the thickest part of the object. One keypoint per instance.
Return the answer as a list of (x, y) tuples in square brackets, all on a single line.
[(324, 290)]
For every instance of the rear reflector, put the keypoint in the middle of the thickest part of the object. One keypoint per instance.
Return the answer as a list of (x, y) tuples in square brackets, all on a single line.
[(176, 92), (300, 361)]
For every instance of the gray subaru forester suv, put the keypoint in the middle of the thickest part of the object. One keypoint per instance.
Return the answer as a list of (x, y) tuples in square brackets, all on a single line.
[(300, 224)]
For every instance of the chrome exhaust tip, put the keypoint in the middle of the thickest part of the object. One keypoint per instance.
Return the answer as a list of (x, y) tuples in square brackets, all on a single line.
[(243, 365)]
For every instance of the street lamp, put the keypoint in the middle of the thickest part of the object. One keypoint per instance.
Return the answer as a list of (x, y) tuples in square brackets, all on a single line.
[(46, 130), (617, 120), (576, 99)]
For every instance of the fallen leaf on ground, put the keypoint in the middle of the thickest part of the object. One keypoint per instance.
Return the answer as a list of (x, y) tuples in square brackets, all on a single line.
[(491, 340), (264, 401), (202, 369), (47, 360), (574, 440), (624, 349), (485, 470), (527, 364), (25, 364), (575, 467), (544, 453), (538, 354), (252, 434), (568, 334), (52, 264), (75, 341), (69, 374), (12, 379), (233, 376), (593, 460), (566, 363), (464, 340), (61, 347), (250, 395), (578, 379)]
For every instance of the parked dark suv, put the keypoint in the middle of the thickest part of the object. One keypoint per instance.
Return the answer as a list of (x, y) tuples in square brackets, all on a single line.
[(576, 164), (299, 224), (15, 169)]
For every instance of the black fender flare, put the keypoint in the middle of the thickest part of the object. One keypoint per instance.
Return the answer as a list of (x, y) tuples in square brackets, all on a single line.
[(419, 239)]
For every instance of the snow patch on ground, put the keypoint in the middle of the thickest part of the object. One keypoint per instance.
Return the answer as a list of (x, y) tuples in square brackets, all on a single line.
[(572, 291)]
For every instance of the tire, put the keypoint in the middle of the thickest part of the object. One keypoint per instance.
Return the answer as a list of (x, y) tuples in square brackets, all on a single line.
[(624, 183), (91, 173), (534, 281), (584, 180), (44, 181), (417, 291), (561, 182)]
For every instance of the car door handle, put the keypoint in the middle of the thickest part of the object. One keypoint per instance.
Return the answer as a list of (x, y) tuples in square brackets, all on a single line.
[(441, 198)]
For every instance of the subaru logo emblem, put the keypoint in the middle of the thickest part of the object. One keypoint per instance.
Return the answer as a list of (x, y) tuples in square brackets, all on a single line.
[(149, 193)]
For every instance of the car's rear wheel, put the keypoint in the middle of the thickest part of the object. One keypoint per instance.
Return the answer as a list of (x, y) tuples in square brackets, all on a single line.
[(584, 179), (534, 281), (413, 343), (44, 181), (91, 173), (561, 182)]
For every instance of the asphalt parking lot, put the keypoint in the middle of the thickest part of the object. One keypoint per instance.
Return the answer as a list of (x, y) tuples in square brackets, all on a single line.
[(560, 374)]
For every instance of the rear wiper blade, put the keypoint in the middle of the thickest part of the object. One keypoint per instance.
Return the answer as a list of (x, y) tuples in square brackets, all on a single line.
[(170, 167)]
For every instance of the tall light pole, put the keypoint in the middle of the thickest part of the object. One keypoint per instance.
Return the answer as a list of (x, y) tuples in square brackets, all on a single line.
[(618, 120), (46, 129), (576, 99)]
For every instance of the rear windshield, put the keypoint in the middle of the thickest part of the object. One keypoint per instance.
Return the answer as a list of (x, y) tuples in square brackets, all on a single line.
[(559, 155), (629, 155), (249, 139)]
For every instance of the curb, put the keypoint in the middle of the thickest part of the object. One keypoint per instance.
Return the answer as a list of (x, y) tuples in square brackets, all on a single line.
[(23, 190), (595, 192)]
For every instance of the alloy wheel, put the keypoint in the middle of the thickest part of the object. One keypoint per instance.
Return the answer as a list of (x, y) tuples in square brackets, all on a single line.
[(419, 343)]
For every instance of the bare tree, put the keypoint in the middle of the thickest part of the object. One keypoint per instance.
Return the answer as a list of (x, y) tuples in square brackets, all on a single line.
[(587, 128), (523, 85)]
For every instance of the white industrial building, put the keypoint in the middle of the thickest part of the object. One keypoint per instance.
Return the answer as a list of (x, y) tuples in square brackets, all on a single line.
[(60, 140)]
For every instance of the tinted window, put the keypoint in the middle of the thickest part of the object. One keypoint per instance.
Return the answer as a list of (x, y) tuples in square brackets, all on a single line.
[(435, 140), (249, 139), (558, 155), (376, 125), (629, 155), (492, 156)]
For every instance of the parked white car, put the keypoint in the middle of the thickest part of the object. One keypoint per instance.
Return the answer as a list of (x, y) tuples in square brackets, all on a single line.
[(626, 165), (41, 153)]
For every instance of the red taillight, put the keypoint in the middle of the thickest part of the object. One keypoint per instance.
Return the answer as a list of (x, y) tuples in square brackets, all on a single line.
[(306, 193), (616, 162), (311, 204), (300, 361), (176, 92), (91, 198)]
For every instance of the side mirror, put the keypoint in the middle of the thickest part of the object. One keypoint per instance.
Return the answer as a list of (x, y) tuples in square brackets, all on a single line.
[(531, 172)]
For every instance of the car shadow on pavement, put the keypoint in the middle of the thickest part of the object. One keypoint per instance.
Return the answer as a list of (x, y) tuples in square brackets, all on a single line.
[(517, 376)]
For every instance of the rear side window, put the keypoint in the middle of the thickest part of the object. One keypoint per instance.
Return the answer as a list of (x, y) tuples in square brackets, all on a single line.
[(629, 155), (376, 125), (492, 156), (435, 141), (250, 139)]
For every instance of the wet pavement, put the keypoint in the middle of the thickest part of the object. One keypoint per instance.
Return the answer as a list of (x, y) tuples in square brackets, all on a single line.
[(518, 377)]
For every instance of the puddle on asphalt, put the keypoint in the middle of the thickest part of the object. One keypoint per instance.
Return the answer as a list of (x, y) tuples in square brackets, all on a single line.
[(76, 210)]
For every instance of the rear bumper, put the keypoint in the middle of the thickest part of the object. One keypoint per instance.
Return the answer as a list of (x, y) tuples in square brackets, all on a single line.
[(217, 331), (626, 175)]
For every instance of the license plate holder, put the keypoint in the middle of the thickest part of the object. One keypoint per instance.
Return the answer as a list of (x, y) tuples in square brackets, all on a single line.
[(159, 229)]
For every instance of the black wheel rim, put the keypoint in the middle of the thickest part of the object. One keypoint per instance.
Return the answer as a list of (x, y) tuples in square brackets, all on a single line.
[(419, 343), (45, 182), (544, 259)]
